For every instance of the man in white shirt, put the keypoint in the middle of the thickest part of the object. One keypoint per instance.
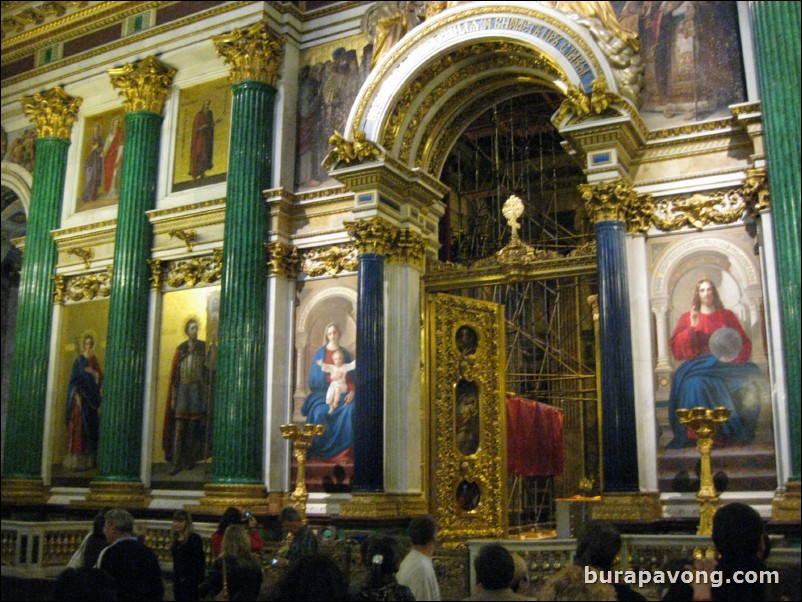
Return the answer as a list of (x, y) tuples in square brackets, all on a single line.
[(417, 569)]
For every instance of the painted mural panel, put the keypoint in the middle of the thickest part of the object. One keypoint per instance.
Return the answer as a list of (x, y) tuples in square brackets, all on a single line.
[(325, 391), (101, 166), (20, 148), (692, 61), (707, 304), (329, 80), (203, 130), (185, 381), (78, 392)]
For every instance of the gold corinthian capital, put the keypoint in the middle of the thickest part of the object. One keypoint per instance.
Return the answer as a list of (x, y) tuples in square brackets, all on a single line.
[(609, 201), (373, 235), (52, 112), (253, 54), (144, 86)]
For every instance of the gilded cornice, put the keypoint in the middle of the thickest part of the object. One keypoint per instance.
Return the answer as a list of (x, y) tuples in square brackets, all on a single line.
[(189, 272), (747, 108), (52, 112), (253, 54), (702, 209), (692, 129), (283, 259), (607, 201), (145, 86), (329, 260), (373, 235), (322, 194), (89, 235), (134, 45), (82, 287), (443, 276)]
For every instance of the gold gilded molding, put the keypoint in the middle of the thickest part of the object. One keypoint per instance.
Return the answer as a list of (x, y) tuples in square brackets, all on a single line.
[(332, 260), (642, 506), (608, 200), (24, 492), (219, 496), (145, 86), (373, 235), (84, 287), (358, 150), (116, 495), (786, 505), (190, 272), (86, 254), (253, 54), (409, 248), (283, 259), (189, 237), (52, 112), (372, 505)]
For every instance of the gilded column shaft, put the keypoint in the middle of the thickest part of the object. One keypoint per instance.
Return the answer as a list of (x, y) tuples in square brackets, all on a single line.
[(777, 46), (28, 386), (239, 414), (121, 422)]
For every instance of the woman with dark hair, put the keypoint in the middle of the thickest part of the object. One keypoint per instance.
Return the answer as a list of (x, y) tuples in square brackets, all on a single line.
[(381, 583), (233, 516), (312, 577), (189, 562)]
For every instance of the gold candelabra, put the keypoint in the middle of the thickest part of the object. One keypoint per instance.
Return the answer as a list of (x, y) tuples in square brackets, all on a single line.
[(704, 423), (301, 438)]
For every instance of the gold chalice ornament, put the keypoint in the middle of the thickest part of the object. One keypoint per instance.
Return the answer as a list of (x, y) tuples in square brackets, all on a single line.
[(301, 438), (704, 423)]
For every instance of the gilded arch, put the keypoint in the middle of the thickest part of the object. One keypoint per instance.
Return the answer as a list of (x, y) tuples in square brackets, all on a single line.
[(423, 93)]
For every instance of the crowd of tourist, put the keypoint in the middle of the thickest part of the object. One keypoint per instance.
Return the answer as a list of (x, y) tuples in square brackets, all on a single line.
[(114, 563)]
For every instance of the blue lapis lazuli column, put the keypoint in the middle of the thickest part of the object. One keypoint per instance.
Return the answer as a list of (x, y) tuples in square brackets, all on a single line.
[(368, 413), (619, 441)]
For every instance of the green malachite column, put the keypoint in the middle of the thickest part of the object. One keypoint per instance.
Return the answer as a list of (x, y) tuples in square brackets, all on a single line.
[(54, 113), (145, 88), (254, 55), (777, 47)]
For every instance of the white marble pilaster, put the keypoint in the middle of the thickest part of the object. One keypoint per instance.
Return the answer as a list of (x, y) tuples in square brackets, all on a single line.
[(642, 361), (402, 422), (278, 380)]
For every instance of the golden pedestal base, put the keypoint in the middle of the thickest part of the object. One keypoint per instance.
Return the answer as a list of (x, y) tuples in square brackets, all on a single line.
[(115, 494), (630, 507), (786, 506), (218, 497), (383, 505), (24, 492)]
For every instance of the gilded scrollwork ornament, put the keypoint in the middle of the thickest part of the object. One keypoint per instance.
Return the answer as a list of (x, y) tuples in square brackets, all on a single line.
[(144, 86), (373, 235), (86, 254), (189, 237), (53, 112), (331, 260), (85, 287), (193, 271), (283, 259), (756, 190), (253, 54), (156, 274)]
